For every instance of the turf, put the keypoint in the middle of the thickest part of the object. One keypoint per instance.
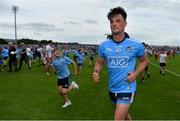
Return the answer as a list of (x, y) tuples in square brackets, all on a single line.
[(31, 95)]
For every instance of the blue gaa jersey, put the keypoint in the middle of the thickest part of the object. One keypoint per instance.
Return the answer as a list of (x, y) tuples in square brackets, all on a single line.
[(80, 58), (120, 60), (61, 66), (67, 53), (75, 52), (5, 52)]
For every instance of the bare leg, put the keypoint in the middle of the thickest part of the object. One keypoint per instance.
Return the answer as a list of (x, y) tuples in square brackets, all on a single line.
[(47, 66), (143, 74), (121, 112), (79, 69), (64, 92), (128, 117), (161, 70)]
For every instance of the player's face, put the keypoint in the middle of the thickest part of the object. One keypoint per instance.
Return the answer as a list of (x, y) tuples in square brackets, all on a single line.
[(117, 24), (57, 53)]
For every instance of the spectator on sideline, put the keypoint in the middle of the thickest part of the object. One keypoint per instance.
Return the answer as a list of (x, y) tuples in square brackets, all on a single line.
[(12, 57), (48, 57)]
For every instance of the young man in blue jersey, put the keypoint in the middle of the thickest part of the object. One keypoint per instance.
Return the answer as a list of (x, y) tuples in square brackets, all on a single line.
[(1, 60), (80, 58), (91, 58), (60, 64), (5, 54), (120, 53)]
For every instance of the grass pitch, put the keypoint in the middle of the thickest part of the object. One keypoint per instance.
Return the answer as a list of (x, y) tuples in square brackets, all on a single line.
[(31, 95)]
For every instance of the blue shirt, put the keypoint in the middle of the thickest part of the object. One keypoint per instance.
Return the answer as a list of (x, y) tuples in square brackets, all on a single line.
[(67, 53), (61, 66), (75, 52), (80, 58), (120, 60), (5, 52)]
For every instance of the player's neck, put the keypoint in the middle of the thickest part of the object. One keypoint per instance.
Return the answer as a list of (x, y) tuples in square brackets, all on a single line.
[(119, 37)]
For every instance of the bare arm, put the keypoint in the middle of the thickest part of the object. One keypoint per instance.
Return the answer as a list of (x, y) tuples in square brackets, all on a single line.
[(53, 69), (74, 68), (143, 62), (98, 66)]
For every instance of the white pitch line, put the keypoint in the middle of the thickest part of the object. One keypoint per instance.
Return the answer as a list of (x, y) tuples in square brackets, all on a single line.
[(165, 69)]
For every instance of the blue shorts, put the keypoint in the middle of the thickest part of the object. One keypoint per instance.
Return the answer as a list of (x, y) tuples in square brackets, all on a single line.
[(121, 98)]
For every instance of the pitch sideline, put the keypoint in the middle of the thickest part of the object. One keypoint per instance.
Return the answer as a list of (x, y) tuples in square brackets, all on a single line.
[(165, 69)]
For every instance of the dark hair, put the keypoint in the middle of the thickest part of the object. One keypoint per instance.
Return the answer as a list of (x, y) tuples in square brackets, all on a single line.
[(115, 11)]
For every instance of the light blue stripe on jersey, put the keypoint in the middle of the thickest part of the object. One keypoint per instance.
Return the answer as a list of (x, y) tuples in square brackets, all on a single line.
[(121, 59), (61, 66)]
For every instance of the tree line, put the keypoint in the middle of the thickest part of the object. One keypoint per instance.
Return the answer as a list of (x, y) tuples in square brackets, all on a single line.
[(30, 41)]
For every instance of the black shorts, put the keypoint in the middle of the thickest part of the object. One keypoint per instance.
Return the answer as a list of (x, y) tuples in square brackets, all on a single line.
[(91, 58), (162, 64), (38, 54), (79, 64), (65, 82), (75, 57), (146, 69), (5, 58), (121, 98)]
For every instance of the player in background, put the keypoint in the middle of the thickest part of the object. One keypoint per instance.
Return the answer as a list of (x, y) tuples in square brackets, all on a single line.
[(162, 61), (91, 58), (48, 56), (60, 64), (146, 70), (80, 59)]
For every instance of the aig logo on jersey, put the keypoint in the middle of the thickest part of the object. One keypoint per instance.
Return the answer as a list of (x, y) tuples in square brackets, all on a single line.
[(118, 61)]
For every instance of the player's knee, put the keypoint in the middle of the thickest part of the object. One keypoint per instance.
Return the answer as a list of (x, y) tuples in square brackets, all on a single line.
[(62, 92)]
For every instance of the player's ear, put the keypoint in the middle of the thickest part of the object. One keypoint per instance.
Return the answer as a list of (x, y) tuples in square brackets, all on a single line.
[(125, 24)]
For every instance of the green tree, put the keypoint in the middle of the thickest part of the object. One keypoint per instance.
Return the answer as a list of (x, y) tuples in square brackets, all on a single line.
[(3, 41)]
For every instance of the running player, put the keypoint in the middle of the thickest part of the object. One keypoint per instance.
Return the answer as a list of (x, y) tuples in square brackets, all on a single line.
[(79, 60), (120, 53), (60, 64), (162, 61)]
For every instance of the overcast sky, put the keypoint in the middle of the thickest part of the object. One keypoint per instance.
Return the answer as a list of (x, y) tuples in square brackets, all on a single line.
[(154, 22)]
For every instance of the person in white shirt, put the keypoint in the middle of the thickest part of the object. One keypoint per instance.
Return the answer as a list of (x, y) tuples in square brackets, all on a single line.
[(29, 55), (162, 61), (48, 57), (40, 54)]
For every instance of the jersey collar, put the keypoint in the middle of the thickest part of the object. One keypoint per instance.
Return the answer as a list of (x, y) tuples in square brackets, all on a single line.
[(119, 41)]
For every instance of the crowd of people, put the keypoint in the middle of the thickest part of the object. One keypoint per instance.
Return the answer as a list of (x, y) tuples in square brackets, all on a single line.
[(12, 56)]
